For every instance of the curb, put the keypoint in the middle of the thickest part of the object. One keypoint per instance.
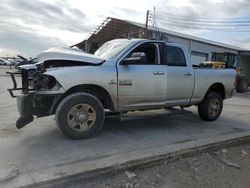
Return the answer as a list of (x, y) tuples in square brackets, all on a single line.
[(53, 176)]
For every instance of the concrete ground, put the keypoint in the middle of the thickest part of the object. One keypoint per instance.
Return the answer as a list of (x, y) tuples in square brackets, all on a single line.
[(224, 168), (42, 153)]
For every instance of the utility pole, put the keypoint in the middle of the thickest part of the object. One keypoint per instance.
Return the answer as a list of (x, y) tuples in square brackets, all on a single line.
[(146, 24), (147, 15)]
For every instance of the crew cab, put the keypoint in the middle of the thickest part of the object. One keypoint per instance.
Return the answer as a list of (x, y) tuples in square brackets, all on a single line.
[(123, 75)]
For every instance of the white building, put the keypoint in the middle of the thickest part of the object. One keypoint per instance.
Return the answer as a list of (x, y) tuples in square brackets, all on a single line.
[(200, 49)]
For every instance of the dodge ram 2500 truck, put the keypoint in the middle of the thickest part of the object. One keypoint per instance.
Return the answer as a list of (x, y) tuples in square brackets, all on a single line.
[(123, 75)]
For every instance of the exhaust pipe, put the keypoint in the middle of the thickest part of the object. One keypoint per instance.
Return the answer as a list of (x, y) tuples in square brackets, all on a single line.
[(24, 120)]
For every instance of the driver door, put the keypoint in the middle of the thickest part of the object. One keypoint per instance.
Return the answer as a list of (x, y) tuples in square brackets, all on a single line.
[(141, 84)]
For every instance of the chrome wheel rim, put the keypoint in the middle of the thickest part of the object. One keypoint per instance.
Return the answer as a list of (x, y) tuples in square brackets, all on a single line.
[(214, 107), (81, 117)]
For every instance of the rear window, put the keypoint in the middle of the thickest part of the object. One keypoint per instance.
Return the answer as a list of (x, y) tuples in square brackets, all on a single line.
[(174, 56)]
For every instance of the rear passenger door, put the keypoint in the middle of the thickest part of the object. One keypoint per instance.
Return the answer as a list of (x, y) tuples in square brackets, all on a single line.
[(180, 76)]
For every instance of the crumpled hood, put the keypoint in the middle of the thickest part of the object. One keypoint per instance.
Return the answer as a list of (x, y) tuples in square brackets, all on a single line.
[(70, 54)]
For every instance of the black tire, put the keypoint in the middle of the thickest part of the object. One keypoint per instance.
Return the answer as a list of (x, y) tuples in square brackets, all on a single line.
[(211, 106), (70, 103), (242, 86)]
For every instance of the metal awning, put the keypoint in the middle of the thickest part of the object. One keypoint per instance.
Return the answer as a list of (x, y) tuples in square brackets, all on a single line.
[(112, 28), (244, 52)]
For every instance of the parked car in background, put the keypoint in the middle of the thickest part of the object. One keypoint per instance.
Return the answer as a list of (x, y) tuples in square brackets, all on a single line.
[(5, 62), (24, 61)]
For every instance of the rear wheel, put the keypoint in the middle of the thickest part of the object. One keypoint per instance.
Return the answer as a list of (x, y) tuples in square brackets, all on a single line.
[(80, 115), (242, 85), (211, 106)]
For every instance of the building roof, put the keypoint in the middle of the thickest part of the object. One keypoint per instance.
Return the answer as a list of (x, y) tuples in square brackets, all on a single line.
[(185, 36), (112, 27)]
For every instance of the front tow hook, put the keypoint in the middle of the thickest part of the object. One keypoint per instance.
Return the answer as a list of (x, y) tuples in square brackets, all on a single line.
[(23, 120)]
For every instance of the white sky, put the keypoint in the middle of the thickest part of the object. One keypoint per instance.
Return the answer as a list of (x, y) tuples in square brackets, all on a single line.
[(29, 27)]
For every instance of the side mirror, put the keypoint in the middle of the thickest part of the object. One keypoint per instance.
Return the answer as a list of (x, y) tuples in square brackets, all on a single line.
[(135, 58)]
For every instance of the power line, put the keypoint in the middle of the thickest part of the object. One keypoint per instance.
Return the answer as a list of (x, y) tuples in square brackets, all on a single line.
[(213, 20), (214, 24), (211, 29), (154, 23), (226, 26), (204, 24)]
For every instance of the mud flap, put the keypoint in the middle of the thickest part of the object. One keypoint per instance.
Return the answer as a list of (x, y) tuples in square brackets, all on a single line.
[(23, 120), (25, 109)]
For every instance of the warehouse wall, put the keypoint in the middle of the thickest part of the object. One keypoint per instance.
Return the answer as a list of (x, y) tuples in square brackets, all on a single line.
[(245, 65), (199, 51), (208, 49)]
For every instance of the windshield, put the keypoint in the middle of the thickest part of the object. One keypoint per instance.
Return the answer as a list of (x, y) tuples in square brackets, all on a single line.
[(112, 48)]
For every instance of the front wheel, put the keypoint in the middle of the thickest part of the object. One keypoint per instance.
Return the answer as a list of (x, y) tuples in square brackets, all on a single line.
[(80, 115), (211, 106)]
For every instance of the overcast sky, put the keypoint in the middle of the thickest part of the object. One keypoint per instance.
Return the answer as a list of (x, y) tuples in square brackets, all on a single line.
[(28, 27)]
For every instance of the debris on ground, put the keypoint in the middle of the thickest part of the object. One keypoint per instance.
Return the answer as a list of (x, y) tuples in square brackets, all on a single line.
[(8, 172), (137, 185), (209, 169), (130, 185), (224, 151), (243, 152), (60, 173), (127, 185), (229, 163), (130, 174)]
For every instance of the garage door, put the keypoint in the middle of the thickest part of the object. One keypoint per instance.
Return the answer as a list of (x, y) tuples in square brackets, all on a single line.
[(245, 64), (197, 57)]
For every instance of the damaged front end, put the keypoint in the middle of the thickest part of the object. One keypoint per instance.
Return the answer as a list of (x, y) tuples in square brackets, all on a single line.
[(39, 94)]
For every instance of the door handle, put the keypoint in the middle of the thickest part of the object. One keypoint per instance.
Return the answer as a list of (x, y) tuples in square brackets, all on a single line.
[(188, 74), (158, 73)]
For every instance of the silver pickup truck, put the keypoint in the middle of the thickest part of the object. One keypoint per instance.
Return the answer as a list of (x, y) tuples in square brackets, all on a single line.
[(123, 75)]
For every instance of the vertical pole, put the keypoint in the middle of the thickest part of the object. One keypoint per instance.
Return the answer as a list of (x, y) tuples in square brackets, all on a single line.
[(146, 24), (147, 15)]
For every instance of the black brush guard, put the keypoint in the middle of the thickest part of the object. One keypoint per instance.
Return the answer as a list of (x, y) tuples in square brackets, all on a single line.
[(25, 118), (25, 82)]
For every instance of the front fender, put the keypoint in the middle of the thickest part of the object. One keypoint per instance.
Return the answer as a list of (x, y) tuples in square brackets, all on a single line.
[(104, 76)]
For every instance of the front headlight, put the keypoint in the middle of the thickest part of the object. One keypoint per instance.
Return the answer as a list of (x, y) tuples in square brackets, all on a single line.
[(45, 82)]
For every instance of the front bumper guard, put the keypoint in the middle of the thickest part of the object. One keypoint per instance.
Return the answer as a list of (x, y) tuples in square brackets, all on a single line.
[(24, 104), (14, 83), (25, 87)]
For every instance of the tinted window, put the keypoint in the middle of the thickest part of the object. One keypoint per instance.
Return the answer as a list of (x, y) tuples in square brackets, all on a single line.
[(150, 52), (174, 56)]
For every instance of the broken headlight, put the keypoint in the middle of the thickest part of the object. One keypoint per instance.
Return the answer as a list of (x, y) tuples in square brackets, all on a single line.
[(45, 82)]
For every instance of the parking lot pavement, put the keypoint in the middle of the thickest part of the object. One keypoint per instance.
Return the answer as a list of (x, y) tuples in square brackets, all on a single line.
[(4, 69), (39, 147)]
